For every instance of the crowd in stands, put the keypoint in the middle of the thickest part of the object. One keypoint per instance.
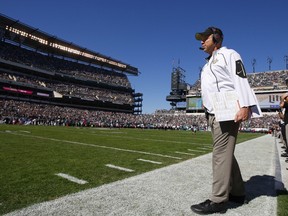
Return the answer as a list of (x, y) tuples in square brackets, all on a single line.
[(53, 64), (20, 112), (78, 71), (88, 93), (270, 80)]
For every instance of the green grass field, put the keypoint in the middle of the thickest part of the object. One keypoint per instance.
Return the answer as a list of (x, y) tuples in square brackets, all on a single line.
[(31, 156)]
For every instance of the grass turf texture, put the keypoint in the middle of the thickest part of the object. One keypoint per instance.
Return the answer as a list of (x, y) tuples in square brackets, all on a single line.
[(282, 200), (30, 156)]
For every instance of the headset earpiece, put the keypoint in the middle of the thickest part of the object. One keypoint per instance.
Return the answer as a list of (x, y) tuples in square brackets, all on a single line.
[(216, 36)]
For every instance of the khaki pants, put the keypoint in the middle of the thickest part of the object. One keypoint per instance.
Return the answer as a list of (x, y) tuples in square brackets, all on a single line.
[(227, 177)]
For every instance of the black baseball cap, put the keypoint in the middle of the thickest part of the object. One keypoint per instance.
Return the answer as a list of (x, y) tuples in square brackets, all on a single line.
[(210, 30)]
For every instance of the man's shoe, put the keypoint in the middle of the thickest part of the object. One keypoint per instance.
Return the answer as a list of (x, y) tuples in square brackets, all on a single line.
[(209, 207), (237, 199)]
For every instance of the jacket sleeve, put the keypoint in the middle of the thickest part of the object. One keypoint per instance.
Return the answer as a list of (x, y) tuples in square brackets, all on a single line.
[(239, 78)]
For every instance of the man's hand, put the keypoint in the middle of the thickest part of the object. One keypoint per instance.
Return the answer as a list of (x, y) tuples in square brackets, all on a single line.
[(242, 114)]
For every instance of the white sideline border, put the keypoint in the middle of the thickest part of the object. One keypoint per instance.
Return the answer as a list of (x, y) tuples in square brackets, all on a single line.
[(71, 178)]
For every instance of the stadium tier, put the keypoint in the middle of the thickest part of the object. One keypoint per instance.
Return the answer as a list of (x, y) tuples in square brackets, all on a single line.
[(41, 68)]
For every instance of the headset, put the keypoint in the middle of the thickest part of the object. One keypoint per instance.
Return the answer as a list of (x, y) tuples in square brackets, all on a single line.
[(217, 36)]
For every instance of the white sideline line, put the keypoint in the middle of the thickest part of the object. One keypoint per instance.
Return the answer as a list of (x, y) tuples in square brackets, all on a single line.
[(205, 148), (194, 150), (71, 178), (119, 168), (183, 153), (25, 131), (149, 161), (98, 146)]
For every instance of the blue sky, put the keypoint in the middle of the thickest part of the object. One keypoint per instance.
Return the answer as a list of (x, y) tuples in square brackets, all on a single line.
[(152, 35)]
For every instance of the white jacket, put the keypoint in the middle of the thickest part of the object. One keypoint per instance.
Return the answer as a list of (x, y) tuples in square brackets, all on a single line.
[(224, 71)]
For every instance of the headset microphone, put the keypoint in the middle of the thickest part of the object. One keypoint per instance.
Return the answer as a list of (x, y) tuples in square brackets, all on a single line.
[(201, 48)]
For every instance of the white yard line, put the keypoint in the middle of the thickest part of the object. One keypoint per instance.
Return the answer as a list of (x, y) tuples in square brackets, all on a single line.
[(119, 168), (194, 150), (184, 153), (97, 146), (149, 161), (71, 178), (25, 131), (205, 148)]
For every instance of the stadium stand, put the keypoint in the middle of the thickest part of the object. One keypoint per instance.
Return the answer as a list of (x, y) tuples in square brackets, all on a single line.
[(40, 68), (270, 80)]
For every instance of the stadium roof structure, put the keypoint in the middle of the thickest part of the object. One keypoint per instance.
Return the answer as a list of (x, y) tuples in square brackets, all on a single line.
[(31, 37)]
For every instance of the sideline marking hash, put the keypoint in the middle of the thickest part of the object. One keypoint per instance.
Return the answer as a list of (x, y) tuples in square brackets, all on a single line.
[(71, 178), (149, 161), (119, 168)]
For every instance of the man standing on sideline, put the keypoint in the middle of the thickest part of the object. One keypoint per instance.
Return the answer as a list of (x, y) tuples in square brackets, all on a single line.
[(223, 72)]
